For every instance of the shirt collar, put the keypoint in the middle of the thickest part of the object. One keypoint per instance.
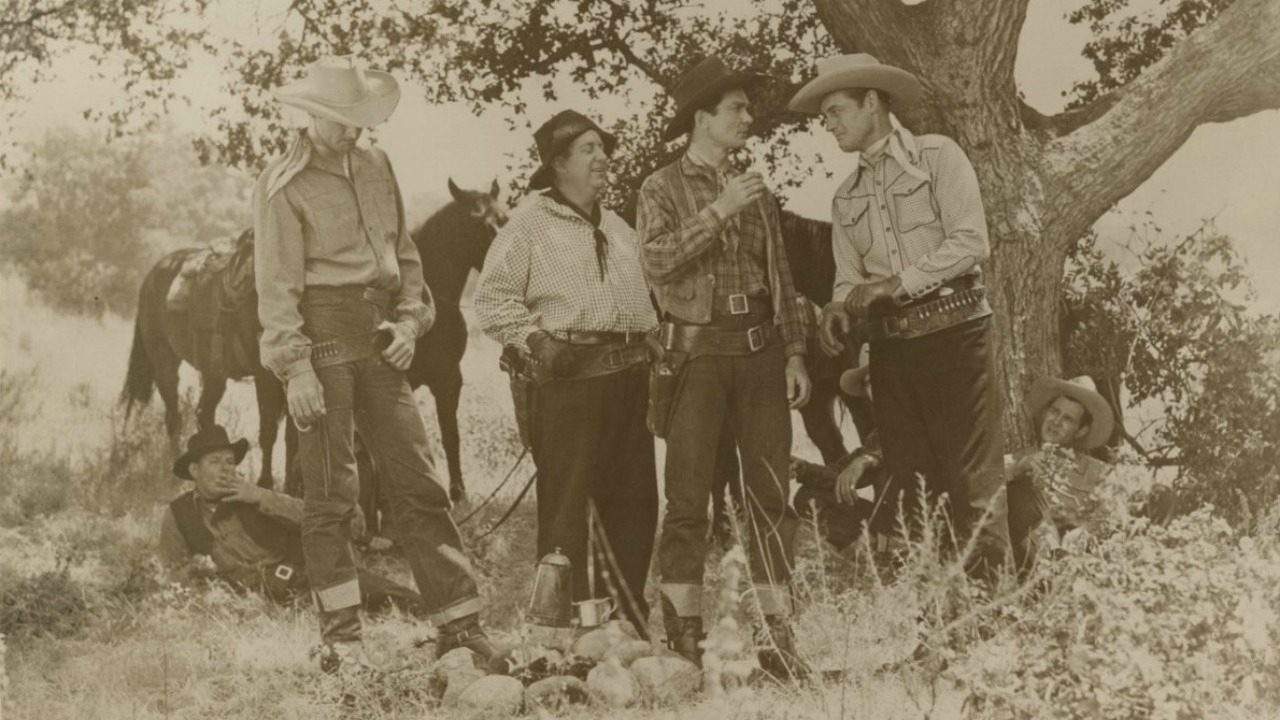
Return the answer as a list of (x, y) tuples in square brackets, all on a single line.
[(899, 144), (693, 164), (555, 196), (292, 163)]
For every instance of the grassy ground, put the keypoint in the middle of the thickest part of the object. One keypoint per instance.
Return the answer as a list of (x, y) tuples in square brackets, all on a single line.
[(1176, 622)]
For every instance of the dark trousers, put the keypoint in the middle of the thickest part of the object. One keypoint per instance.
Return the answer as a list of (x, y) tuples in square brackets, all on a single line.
[(746, 396), (371, 396), (590, 441), (938, 410)]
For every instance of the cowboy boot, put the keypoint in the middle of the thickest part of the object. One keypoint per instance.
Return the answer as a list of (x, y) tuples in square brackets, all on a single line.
[(684, 634), (778, 655), (467, 632)]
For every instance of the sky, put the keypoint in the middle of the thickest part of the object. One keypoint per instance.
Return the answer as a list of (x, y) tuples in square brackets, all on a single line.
[(1229, 172)]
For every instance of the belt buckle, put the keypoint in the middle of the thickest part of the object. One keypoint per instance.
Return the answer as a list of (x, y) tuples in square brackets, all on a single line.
[(284, 572), (738, 304), (755, 338), (891, 326)]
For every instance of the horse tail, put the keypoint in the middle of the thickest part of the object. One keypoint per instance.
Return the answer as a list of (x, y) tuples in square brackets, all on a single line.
[(139, 380)]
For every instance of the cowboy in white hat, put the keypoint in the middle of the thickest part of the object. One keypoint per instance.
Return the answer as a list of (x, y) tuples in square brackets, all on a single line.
[(1055, 480), (909, 234), (342, 304)]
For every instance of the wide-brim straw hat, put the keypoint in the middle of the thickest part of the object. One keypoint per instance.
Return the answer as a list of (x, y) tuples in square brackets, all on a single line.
[(858, 70), (556, 135), (339, 90), (204, 442), (705, 81), (1082, 390)]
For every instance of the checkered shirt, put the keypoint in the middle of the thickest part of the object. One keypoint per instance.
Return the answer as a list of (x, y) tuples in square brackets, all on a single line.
[(734, 250), (542, 274)]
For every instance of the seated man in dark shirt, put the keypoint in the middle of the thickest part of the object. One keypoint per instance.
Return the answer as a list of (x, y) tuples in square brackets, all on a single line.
[(253, 535)]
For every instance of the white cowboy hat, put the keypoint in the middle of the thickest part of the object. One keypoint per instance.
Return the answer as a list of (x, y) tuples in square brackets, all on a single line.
[(859, 70), (334, 88), (1082, 390)]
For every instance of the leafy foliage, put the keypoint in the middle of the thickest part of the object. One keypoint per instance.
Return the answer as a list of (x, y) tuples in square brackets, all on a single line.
[(1175, 331), (1127, 41), (88, 215)]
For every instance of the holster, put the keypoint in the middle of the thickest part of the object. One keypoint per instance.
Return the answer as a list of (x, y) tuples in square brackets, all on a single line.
[(666, 374), (516, 365)]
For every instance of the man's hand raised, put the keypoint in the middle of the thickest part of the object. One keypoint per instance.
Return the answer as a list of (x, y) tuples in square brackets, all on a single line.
[(739, 193)]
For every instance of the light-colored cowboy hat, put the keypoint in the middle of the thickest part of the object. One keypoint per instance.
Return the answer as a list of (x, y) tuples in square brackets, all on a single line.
[(336, 89), (860, 70), (1082, 390)]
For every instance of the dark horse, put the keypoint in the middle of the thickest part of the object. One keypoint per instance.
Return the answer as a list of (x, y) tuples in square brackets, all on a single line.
[(218, 331), (452, 243), (215, 329)]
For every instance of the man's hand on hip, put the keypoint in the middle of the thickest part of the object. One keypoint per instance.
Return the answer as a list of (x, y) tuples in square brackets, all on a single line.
[(862, 297), (400, 352), (306, 399), (833, 327), (799, 386)]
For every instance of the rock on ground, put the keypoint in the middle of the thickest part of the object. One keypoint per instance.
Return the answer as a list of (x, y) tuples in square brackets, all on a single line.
[(556, 693), (612, 685), (666, 679), (493, 696), (628, 651)]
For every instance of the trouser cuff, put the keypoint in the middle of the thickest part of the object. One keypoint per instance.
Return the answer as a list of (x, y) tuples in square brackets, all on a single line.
[(460, 609), (774, 599), (685, 598), (336, 597)]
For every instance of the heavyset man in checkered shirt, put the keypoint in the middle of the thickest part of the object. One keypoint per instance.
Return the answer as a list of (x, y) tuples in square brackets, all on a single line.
[(735, 327), (563, 283)]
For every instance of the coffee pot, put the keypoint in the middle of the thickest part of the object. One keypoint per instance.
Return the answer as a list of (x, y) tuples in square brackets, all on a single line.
[(550, 604)]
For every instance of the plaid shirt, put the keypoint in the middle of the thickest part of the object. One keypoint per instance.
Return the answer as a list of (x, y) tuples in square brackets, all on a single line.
[(693, 258), (542, 274), (911, 208)]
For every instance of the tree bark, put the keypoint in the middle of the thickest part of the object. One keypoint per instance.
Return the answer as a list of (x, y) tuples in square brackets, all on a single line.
[(1046, 180)]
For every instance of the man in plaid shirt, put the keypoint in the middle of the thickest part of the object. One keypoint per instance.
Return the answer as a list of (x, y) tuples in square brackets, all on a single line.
[(563, 282), (735, 331)]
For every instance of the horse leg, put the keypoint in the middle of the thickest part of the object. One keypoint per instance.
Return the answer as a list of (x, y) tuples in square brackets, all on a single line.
[(212, 388), (166, 366), (820, 422), (447, 393), (271, 403)]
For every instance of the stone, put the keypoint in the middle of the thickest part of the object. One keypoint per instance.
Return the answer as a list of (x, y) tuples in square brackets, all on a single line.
[(594, 644), (556, 693), (665, 679), (457, 681), (492, 696), (456, 659), (628, 651), (612, 685)]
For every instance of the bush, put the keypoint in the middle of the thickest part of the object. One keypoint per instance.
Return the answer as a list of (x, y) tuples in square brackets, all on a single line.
[(47, 604)]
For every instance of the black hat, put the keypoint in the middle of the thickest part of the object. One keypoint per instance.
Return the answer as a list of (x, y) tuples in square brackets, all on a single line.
[(705, 81), (556, 135), (204, 442)]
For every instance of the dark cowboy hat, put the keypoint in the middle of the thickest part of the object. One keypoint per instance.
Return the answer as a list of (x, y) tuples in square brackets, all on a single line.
[(1082, 390), (204, 442), (705, 81), (556, 135)]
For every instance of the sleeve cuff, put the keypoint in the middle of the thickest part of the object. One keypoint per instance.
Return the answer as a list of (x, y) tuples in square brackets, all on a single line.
[(301, 366), (711, 219), (916, 282)]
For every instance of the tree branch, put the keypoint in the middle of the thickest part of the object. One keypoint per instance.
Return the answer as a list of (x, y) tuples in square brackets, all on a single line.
[(1225, 70)]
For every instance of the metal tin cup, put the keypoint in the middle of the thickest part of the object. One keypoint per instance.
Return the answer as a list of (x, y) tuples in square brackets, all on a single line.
[(594, 612)]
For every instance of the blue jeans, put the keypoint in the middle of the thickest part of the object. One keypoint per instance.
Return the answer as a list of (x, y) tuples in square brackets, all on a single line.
[(371, 397)]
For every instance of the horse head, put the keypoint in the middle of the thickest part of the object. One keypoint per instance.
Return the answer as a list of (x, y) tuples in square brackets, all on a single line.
[(485, 215)]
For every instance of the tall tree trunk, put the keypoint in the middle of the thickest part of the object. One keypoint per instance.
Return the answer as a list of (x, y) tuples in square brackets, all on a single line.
[(1044, 180)]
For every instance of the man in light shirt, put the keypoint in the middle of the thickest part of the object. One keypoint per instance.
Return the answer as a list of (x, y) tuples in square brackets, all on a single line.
[(563, 284), (909, 234)]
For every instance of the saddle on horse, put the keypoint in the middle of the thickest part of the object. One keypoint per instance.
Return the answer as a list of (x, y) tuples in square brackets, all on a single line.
[(211, 305)]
